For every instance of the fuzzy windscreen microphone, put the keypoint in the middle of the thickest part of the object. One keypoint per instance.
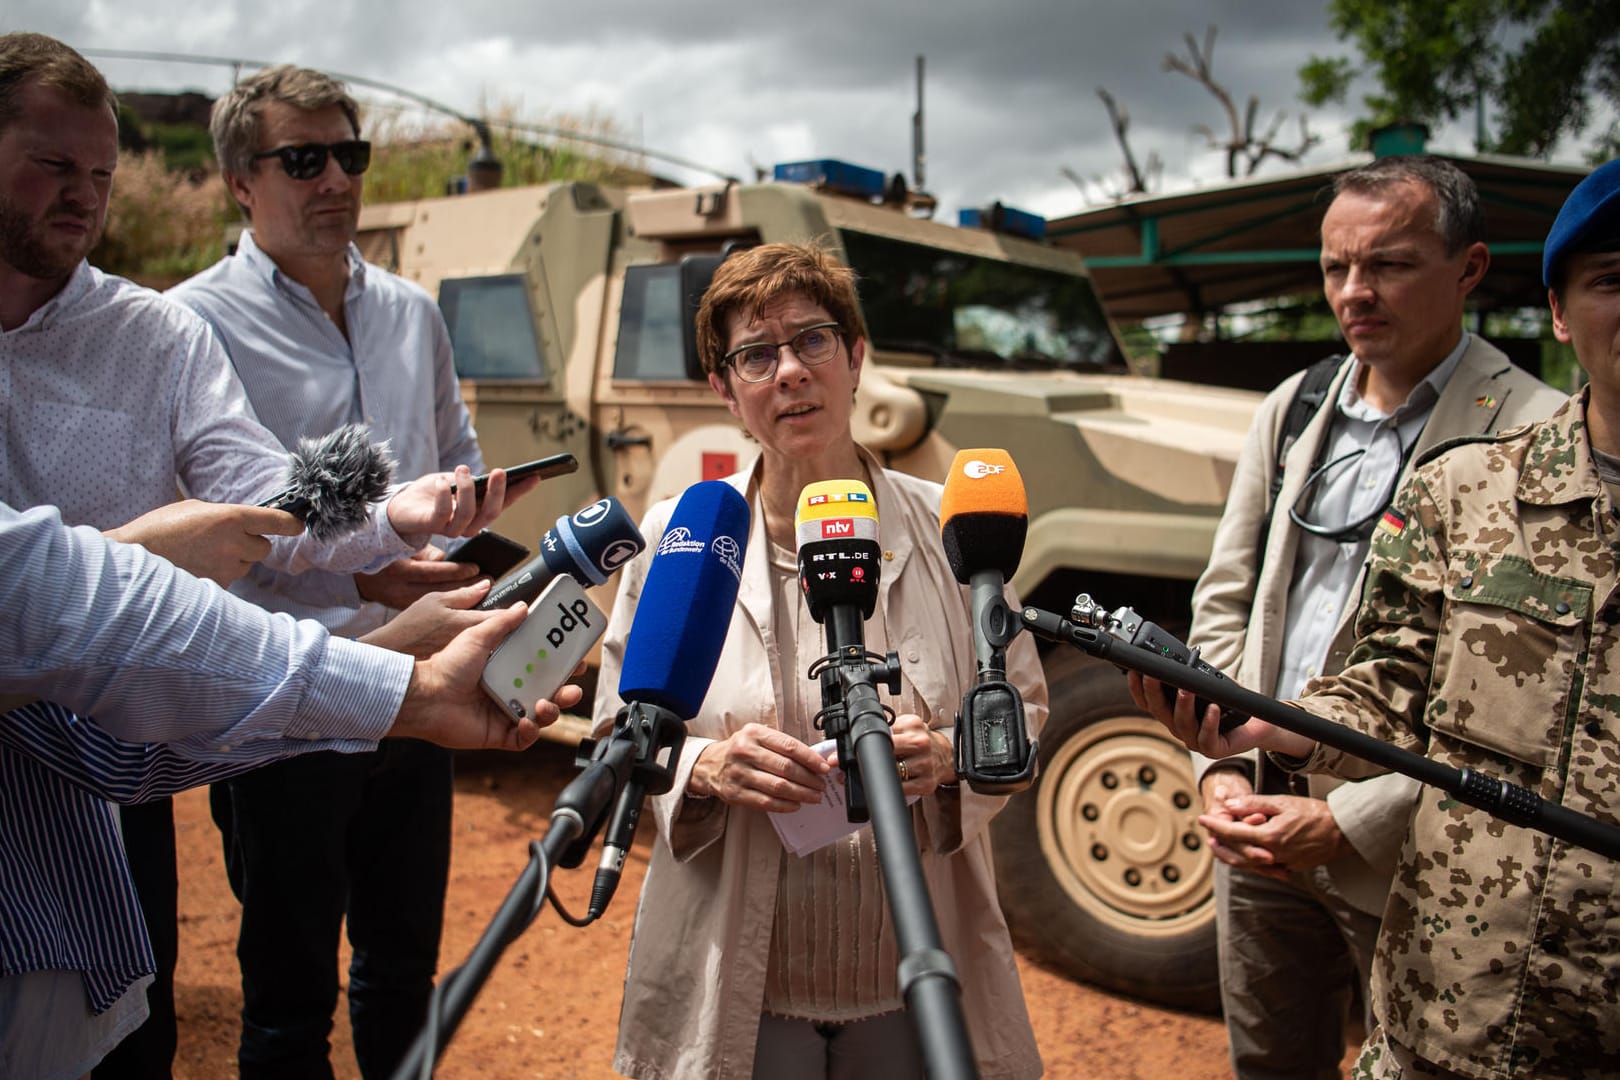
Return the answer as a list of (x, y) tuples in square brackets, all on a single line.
[(332, 480)]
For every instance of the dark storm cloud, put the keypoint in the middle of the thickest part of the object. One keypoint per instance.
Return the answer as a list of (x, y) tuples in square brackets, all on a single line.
[(1010, 90)]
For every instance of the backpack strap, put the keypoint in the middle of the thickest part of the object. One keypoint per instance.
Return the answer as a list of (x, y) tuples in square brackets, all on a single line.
[(1308, 398)]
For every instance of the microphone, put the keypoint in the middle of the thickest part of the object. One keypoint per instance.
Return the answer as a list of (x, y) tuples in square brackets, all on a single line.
[(836, 529), (984, 516), (587, 547), (332, 480), (671, 651), (836, 526)]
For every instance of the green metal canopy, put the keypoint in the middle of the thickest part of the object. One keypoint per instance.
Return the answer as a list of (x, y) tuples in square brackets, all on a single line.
[(1204, 250)]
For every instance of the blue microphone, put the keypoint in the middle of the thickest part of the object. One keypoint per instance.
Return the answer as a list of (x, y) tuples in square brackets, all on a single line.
[(587, 547), (672, 650), (685, 607)]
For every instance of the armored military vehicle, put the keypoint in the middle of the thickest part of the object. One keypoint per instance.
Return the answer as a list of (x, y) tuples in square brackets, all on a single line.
[(571, 309)]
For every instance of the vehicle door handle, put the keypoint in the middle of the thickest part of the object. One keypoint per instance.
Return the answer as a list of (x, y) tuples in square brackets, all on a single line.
[(618, 440)]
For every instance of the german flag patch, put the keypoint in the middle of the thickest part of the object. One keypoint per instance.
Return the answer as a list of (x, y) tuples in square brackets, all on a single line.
[(1392, 523)]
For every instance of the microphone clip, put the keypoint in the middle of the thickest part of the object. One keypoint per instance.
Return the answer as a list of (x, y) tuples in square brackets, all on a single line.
[(633, 754)]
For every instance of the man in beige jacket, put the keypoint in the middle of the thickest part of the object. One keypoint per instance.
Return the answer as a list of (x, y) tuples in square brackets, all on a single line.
[(1303, 873)]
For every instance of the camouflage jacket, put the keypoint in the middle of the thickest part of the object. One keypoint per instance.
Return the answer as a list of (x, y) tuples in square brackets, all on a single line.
[(1485, 638)]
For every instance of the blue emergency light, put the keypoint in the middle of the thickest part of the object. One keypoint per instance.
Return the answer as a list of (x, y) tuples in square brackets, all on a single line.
[(1003, 219), (833, 175)]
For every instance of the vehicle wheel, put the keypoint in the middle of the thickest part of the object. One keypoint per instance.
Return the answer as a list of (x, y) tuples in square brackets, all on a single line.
[(1101, 865)]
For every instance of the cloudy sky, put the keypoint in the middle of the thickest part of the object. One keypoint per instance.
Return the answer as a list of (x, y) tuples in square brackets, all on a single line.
[(1010, 84)]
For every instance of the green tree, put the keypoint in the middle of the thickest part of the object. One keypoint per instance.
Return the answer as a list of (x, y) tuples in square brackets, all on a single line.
[(1538, 64)]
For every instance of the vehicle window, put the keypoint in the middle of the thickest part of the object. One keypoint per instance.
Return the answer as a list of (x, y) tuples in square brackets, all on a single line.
[(975, 312), (652, 343), (491, 327)]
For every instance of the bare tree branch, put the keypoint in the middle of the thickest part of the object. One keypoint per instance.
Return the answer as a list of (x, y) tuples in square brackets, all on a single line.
[(1243, 146), (1120, 120)]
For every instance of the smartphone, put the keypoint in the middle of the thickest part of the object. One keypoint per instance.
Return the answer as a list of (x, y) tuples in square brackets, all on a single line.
[(545, 468), (560, 629), (493, 553)]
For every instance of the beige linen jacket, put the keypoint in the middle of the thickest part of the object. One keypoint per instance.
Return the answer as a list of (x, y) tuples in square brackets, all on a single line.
[(695, 984), (1238, 621)]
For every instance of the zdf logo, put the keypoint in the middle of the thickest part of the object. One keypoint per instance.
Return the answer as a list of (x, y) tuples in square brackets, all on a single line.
[(978, 470)]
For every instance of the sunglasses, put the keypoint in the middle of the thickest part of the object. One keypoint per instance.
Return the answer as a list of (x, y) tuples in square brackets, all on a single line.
[(306, 161)]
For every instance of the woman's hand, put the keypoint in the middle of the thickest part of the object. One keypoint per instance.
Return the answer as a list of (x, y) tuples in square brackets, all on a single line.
[(923, 757), (761, 768)]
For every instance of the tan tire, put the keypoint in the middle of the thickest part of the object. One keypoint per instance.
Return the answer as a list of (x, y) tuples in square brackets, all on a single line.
[(1101, 865)]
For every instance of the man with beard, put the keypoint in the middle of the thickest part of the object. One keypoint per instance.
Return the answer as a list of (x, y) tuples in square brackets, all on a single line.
[(320, 338), (111, 397)]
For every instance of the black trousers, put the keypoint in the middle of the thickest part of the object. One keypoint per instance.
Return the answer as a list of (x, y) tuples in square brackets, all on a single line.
[(148, 1052), (310, 842)]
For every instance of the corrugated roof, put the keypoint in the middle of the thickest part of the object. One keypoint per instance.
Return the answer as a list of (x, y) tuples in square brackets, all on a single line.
[(1253, 239)]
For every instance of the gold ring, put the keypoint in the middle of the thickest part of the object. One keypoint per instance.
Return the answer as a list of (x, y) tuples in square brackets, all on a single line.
[(905, 773)]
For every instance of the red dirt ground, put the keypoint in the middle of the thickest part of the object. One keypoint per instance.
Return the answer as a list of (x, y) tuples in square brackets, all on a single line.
[(551, 1006)]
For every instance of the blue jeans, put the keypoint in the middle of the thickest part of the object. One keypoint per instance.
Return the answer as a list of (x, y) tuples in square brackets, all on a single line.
[(308, 842)]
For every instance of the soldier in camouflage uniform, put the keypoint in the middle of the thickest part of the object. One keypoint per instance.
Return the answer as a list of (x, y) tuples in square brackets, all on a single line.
[(1485, 639)]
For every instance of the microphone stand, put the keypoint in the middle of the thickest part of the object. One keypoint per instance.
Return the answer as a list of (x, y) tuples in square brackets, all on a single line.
[(1090, 631), (630, 756), (852, 714)]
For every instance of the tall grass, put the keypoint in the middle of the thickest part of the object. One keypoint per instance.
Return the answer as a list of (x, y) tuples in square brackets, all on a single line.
[(167, 221), (413, 159), (163, 225)]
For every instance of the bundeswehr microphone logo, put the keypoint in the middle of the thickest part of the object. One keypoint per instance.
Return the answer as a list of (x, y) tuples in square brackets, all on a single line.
[(679, 541), (730, 555)]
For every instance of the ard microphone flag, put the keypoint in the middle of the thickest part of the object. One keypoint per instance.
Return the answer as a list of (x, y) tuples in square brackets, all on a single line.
[(984, 514), (587, 547), (685, 606)]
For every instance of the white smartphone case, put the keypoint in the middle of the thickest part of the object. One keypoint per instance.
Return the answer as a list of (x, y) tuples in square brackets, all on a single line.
[(560, 629)]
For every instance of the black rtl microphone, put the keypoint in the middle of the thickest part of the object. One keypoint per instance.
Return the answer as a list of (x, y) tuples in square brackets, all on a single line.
[(836, 526), (332, 481), (839, 558), (587, 547), (671, 652), (984, 516)]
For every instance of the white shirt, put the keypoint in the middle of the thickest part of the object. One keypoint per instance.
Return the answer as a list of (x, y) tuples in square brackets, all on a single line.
[(110, 394), (1326, 571), (303, 377)]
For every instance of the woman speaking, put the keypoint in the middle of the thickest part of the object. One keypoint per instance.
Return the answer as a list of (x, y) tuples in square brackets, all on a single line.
[(749, 960)]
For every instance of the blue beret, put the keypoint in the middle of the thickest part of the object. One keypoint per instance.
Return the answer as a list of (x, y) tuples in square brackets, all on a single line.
[(1594, 204)]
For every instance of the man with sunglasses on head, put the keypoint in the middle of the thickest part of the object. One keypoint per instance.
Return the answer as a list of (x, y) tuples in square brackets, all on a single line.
[(321, 338), (112, 398), (1303, 869)]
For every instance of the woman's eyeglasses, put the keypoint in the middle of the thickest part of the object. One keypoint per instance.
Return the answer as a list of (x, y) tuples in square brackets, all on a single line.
[(306, 161), (813, 345)]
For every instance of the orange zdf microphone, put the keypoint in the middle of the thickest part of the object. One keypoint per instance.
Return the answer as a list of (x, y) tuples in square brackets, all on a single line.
[(984, 516)]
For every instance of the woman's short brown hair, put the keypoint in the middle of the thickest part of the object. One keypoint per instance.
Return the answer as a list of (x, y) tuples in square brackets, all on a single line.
[(750, 280)]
